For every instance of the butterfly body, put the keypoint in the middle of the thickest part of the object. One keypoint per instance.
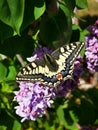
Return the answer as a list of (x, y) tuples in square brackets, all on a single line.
[(52, 68), (51, 63)]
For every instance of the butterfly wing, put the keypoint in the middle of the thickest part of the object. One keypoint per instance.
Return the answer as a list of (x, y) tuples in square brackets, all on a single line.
[(40, 71), (65, 57), (33, 71)]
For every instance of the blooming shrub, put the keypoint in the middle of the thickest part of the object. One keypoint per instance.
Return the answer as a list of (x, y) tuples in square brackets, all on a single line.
[(48, 23)]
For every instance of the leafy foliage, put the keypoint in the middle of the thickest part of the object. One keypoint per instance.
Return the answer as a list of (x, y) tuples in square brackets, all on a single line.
[(24, 24), (10, 15)]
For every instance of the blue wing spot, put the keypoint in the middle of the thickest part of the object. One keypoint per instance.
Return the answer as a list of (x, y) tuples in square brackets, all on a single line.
[(53, 79), (48, 79), (64, 73)]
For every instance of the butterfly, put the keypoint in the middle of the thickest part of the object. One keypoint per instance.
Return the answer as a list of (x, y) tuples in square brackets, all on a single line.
[(52, 68)]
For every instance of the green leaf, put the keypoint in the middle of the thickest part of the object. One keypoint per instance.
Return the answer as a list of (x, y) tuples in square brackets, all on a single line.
[(5, 102), (33, 10), (83, 34), (3, 127), (93, 94), (11, 13), (23, 45), (70, 4), (75, 33), (3, 72), (63, 120), (56, 29), (5, 31), (81, 4), (75, 27), (39, 8), (12, 73), (5, 119), (16, 126), (6, 88), (86, 109), (73, 116), (48, 126), (60, 113)]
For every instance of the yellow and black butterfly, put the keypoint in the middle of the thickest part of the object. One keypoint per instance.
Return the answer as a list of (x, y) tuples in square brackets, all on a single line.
[(52, 68)]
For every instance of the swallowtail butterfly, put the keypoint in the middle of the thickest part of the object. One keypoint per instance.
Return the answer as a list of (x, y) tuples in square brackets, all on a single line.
[(52, 68)]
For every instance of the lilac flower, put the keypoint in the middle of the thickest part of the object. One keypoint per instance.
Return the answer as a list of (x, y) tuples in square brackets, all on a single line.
[(33, 99), (92, 47), (39, 51)]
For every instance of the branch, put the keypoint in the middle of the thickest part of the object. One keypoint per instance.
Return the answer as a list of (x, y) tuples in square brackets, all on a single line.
[(20, 60)]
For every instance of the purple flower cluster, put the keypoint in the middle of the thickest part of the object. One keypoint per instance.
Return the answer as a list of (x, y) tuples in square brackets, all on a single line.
[(92, 47), (39, 51), (33, 99)]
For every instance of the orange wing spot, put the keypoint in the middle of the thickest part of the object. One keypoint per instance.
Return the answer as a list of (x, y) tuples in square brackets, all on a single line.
[(59, 76)]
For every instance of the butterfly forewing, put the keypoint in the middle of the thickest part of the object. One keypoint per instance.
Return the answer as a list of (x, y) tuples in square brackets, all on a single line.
[(38, 70)]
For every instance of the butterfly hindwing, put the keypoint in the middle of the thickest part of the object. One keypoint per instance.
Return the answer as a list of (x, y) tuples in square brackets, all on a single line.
[(52, 68)]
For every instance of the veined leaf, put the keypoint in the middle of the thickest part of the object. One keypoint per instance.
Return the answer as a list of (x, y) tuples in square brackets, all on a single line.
[(81, 4), (11, 13)]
